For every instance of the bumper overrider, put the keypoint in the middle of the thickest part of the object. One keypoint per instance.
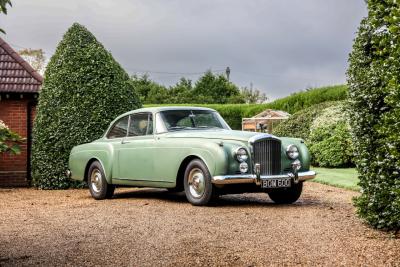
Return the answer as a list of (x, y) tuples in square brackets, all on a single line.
[(257, 178)]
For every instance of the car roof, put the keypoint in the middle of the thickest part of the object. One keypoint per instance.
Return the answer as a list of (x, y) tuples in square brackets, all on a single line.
[(155, 110), (165, 108)]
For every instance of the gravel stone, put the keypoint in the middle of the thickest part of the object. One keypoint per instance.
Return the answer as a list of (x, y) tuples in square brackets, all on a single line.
[(151, 227)]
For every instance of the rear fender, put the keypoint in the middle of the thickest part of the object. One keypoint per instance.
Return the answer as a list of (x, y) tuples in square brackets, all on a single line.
[(82, 156)]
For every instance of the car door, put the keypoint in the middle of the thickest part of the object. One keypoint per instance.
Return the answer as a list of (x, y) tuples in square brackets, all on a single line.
[(136, 153)]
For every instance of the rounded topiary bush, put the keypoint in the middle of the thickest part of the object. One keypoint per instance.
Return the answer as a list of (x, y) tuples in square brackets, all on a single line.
[(325, 129), (330, 141), (299, 124), (84, 89), (331, 147), (374, 96)]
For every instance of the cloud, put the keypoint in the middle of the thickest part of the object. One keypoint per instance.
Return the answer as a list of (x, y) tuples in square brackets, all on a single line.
[(279, 46)]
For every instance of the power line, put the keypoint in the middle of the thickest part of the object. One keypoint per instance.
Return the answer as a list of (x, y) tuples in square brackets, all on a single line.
[(172, 73)]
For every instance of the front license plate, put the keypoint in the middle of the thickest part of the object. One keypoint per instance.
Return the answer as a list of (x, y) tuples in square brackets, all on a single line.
[(276, 183)]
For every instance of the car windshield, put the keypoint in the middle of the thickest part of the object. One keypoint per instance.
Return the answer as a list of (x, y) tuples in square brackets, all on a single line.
[(176, 120)]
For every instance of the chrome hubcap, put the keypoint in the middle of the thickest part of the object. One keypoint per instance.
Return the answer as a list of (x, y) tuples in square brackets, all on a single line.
[(196, 182), (95, 180)]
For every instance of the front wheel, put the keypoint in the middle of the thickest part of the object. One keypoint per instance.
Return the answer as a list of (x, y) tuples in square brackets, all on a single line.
[(286, 195), (98, 186), (197, 183)]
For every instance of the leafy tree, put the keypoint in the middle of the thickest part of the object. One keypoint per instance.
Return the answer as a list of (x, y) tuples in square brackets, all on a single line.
[(3, 9), (158, 94), (216, 89), (84, 89), (374, 95), (143, 85), (253, 96), (209, 88), (35, 58), (182, 92)]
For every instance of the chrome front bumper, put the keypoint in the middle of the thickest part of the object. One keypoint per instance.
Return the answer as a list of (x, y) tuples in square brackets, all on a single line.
[(252, 178)]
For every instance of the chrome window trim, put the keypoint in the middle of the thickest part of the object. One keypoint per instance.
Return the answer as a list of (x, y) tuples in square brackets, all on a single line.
[(224, 124), (158, 118), (112, 126), (138, 113), (129, 123)]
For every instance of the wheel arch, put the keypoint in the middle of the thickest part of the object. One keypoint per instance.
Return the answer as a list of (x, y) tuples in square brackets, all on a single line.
[(93, 159), (181, 171)]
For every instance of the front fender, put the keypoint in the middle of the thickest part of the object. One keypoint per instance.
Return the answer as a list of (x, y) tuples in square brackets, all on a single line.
[(304, 155), (213, 155)]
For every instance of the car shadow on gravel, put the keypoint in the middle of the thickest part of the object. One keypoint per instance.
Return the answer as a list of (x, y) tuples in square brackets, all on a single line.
[(148, 193), (249, 199)]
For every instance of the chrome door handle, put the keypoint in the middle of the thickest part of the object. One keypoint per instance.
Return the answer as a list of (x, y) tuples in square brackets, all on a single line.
[(125, 142)]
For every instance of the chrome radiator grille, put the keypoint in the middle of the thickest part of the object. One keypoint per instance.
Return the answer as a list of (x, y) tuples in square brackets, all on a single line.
[(267, 152)]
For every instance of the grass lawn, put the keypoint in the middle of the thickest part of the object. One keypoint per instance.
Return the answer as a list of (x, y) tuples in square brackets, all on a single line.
[(345, 178)]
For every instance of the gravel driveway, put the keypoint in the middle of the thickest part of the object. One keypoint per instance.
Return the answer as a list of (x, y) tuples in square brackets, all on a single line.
[(148, 227)]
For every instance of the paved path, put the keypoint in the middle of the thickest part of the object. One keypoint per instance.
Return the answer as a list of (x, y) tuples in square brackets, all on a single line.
[(148, 227)]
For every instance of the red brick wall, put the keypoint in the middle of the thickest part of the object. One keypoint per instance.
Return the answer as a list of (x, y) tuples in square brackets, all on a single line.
[(13, 168)]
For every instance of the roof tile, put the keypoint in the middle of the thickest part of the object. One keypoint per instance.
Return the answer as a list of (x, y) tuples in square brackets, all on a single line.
[(16, 75)]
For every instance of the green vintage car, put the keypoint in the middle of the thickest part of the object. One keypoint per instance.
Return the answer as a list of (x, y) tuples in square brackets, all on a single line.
[(193, 150)]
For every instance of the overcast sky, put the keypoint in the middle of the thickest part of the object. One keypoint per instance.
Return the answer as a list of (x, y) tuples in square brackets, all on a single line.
[(279, 46)]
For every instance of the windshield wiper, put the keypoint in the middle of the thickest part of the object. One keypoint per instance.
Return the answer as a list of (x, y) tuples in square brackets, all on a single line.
[(177, 128), (207, 127)]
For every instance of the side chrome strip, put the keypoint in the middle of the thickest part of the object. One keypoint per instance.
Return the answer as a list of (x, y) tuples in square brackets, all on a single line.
[(251, 178)]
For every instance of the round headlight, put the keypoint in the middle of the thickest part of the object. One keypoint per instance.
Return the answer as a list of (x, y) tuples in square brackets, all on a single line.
[(292, 151), (243, 167), (241, 154)]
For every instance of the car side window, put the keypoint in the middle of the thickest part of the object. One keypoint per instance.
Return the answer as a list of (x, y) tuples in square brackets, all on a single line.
[(141, 124), (119, 128)]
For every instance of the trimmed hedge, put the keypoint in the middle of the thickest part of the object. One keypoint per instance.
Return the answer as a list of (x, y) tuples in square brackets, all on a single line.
[(233, 113), (310, 97), (374, 95), (84, 89)]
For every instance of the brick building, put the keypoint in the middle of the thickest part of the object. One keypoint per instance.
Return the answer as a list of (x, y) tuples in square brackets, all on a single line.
[(19, 87)]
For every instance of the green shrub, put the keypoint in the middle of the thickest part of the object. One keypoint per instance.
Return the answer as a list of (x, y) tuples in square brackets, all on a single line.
[(84, 89), (330, 141), (300, 123), (331, 146), (325, 129), (9, 140), (374, 95)]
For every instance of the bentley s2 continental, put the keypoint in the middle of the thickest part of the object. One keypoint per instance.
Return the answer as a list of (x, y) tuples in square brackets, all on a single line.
[(193, 150)]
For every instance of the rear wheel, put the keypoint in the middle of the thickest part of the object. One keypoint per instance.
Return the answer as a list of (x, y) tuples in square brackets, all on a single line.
[(286, 195), (197, 183), (98, 186)]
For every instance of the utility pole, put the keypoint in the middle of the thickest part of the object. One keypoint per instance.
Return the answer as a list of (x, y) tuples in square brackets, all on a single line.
[(228, 72)]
